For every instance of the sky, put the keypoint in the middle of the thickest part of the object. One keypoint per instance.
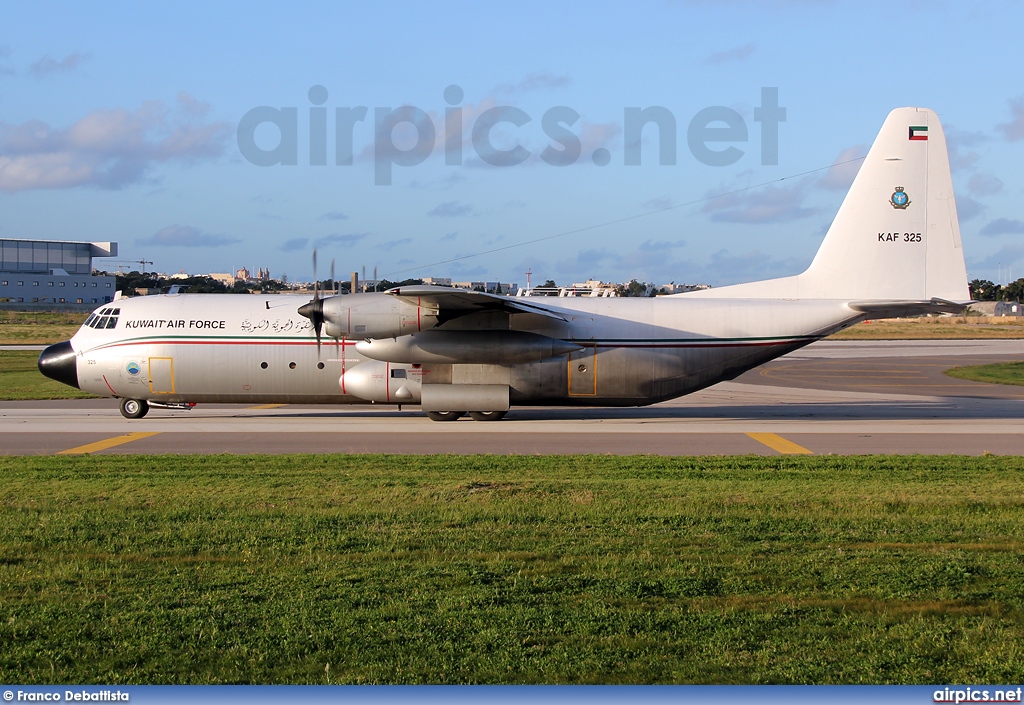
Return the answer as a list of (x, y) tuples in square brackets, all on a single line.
[(479, 141)]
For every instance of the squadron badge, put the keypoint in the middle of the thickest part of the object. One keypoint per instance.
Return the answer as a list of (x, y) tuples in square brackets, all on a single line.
[(899, 198)]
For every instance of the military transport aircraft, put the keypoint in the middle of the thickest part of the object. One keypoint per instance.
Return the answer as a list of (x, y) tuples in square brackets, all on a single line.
[(893, 249)]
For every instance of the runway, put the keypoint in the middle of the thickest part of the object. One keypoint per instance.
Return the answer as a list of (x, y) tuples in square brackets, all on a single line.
[(831, 397)]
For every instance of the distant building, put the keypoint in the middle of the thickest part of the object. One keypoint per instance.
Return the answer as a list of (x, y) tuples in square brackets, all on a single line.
[(673, 288), (1009, 308), (54, 272), (488, 287), (224, 278)]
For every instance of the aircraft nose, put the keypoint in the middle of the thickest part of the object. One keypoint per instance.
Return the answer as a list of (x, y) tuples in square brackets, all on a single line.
[(58, 362)]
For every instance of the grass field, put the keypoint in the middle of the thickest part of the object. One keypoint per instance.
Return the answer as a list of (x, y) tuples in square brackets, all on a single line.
[(942, 328), (38, 327), (997, 373), (20, 379), (443, 569)]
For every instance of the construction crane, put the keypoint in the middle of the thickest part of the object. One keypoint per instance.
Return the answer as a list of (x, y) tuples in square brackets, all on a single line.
[(122, 264)]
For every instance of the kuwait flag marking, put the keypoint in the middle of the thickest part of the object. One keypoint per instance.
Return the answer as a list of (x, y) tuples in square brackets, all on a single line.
[(918, 133)]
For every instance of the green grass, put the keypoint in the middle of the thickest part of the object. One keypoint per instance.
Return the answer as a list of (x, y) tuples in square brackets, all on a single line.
[(38, 327), (490, 569), (20, 379), (997, 373)]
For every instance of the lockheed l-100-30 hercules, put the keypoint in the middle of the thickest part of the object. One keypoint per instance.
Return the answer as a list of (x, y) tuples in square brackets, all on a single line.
[(893, 249)]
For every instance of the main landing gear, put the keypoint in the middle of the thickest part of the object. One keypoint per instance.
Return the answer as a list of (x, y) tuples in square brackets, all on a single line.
[(134, 408), (475, 415)]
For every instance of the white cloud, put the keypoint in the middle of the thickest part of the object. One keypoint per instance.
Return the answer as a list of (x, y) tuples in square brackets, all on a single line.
[(450, 209), (345, 240), (984, 185), (957, 143), (392, 244), (109, 148), (1003, 226), (730, 55), (1005, 255), (186, 236), (766, 204), (48, 66), (296, 244), (1014, 129), (844, 169), (6, 69), (967, 208)]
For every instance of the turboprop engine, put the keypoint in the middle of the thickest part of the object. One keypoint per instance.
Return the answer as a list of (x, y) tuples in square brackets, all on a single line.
[(374, 315)]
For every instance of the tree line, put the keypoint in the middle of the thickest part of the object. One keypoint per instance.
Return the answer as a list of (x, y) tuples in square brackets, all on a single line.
[(985, 290)]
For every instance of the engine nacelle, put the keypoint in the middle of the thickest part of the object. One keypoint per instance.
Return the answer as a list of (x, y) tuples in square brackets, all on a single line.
[(375, 315), (383, 382)]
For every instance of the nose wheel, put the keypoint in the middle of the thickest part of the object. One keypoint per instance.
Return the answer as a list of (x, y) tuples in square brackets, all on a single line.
[(134, 408)]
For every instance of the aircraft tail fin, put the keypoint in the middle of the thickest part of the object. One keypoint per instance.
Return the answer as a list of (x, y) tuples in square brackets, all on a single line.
[(896, 236)]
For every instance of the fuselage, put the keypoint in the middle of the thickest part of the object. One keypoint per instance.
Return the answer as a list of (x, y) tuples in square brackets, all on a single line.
[(200, 348)]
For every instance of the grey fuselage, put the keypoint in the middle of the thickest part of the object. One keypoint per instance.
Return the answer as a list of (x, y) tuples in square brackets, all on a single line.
[(195, 348)]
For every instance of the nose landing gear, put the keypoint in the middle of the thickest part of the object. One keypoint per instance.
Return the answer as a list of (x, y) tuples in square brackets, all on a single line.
[(134, 408)]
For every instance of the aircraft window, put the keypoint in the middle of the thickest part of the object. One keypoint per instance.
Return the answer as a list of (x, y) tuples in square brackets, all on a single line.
[(112, 321), (263, 365), (397, 374), (90, 319), (291, 365), (319, 365), (102, 323), (116, 312)]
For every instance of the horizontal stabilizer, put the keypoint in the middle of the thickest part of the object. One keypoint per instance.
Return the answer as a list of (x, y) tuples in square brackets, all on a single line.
[(897, 309)]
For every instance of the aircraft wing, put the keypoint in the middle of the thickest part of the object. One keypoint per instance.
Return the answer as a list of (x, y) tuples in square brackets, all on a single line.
[(451, 303), (894, 309)]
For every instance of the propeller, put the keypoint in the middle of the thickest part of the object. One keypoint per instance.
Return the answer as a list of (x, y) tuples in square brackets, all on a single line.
[(334, 287), (314, 310)]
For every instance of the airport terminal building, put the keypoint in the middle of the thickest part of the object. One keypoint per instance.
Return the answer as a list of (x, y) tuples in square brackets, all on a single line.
[(53, 272)]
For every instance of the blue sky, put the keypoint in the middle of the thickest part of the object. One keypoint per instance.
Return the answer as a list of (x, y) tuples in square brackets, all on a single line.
[(119, 121)]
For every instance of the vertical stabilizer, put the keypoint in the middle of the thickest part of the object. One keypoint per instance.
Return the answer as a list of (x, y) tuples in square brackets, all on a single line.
[(896, 237)]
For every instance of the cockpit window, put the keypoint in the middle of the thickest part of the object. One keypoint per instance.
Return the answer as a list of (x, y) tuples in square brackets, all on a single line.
[(103, 319)]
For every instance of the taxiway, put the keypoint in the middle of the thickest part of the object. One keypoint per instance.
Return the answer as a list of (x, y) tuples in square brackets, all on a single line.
[(831, 397)]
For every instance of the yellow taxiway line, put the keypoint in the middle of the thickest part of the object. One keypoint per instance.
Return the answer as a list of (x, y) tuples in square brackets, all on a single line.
[(776, 442), (267, 406), (108, 443)]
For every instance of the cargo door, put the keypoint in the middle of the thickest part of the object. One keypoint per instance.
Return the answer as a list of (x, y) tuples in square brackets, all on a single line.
[(161, 375)]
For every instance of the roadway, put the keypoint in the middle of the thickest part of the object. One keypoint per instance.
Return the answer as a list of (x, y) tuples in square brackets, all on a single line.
[(832, 397)]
